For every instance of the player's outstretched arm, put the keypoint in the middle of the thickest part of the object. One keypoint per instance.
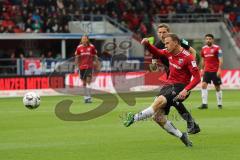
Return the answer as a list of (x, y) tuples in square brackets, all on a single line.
[(154, 50)]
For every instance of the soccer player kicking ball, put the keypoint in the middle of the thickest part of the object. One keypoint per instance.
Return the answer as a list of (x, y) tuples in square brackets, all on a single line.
[(182, 67), (85, 56), (162, 29), (212, 63)]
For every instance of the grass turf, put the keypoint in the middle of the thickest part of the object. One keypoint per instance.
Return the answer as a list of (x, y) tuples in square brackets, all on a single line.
[(40, 135)]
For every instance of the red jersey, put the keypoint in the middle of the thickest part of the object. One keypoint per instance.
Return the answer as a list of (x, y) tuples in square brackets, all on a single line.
[(86, 56), (182, 67), (210, 54)]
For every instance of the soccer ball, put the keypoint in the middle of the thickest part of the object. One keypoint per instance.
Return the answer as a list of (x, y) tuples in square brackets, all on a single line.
[(31, 100)]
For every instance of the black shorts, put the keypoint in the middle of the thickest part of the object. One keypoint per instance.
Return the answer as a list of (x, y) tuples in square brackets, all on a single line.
[(209, 77), (170, 92), (84, 73)]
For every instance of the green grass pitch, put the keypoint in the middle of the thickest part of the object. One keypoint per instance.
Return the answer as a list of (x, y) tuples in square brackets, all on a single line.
[(40, 135)]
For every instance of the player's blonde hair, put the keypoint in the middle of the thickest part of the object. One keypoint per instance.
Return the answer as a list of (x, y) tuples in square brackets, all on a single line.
[(164, 25), (173, 36)]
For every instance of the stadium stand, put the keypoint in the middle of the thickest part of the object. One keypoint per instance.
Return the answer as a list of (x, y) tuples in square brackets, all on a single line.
[(52, 16), (49, 23)]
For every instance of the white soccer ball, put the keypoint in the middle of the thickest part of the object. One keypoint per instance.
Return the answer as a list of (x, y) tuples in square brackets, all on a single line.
[(31, 100)]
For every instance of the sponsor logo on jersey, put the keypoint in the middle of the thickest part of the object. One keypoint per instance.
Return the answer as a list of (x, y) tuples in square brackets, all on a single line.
[(175, 66), (212, 50), (85, 53), (180, 61), (194, 64), (208, 55)]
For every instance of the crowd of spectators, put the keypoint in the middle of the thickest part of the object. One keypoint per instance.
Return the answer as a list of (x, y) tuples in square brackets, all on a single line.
[(47, 16), (52, 16)]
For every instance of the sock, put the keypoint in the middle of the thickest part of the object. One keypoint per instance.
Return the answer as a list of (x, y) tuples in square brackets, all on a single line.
[(184, 113), (169, 127), (187, 117), (85, 92), (204, 96), (219, 97), (88, 91), (148, 112)]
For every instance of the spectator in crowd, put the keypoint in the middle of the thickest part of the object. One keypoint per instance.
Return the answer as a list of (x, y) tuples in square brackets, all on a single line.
[(200, 7), (203, 4), (30, 54), (2, 29), (58, 56), (52, 16), (49, 55), (21, 55), (13, 56), (12, 63), (43, 55)]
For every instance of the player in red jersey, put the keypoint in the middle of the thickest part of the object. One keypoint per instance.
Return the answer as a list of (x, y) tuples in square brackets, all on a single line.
[(162, 29), (212, 63), (182, 68), (85, 59)]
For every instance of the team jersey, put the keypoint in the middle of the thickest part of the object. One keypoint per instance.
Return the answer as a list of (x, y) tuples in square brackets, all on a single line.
[(182, 67), (210, 55), (160, 45), (86, 56)]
